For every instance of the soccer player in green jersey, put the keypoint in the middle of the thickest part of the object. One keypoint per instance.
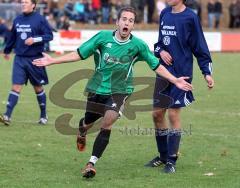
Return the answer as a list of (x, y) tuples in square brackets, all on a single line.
[(115, 54)]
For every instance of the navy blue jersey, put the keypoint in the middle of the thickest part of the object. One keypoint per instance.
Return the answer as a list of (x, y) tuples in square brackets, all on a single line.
[(181, 35), (25, 26), (4, 32)]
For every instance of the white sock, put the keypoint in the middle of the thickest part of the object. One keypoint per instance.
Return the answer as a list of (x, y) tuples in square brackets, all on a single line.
[(93, 159)]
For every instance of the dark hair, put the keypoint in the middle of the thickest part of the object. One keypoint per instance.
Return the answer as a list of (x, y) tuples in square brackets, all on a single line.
[(126, 9), (34, 2)]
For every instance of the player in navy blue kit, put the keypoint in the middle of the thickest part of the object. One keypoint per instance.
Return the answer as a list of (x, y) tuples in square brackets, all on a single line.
[(29, 32), (3, 31), (180, 37)]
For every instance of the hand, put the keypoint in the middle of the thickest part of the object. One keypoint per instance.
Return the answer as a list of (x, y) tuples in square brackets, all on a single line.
[(6, 56), (46, 60), (29, 41), (166, 57), (210, 81), (182, 84)]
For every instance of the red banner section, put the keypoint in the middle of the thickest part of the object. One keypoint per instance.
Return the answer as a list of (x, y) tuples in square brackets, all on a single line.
[(230, 42), (70, 34)]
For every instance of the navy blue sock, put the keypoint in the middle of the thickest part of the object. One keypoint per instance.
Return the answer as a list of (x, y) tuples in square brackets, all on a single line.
[(161, 139), (12, 101), (42, 102), (174, 138)]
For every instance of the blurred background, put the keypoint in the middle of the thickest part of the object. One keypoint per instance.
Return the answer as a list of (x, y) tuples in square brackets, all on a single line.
[(216, 14), (218, 18)]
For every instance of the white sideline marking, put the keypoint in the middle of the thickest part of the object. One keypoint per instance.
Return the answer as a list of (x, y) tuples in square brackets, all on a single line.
[(216, 112)]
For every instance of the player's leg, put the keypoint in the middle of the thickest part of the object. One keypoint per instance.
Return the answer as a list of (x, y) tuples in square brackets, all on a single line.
[(161, 134), (42, 102), (19, 78), (100, 142), (174, 138), (11, 103), (161, 101), (84, 125), (114, 106), (103, 137), (92, 114), (38, 77)]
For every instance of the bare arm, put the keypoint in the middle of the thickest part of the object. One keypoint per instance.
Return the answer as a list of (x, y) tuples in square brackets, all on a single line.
[(179, 82), (166, 57), (47, 60)]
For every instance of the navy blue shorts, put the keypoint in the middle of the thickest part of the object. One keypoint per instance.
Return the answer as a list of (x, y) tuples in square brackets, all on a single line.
[(167, 95), (24, 70)]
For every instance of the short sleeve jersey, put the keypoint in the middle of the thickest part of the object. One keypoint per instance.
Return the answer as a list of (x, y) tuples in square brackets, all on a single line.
[(114, 62)]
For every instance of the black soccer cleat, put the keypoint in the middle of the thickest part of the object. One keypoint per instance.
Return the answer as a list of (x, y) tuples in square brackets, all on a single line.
[(156, 162), (169, 168), (89, 171)]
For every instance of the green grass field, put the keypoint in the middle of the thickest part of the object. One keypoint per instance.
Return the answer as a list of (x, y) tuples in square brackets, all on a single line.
[(40, 156)]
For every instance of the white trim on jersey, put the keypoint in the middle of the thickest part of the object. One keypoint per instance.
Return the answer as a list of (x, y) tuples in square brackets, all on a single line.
[(131, 66), (100, 59), (123, 42), (37, 39), (210, 67)]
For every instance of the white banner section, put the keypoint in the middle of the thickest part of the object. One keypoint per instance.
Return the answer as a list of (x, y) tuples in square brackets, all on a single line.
[(71, 40), (214, 41)]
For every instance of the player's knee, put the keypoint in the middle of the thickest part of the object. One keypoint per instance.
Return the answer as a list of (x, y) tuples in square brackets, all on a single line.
[(174, 119), (17, 88), (173, 115), (158, 116), (38, 89), (106, 125)]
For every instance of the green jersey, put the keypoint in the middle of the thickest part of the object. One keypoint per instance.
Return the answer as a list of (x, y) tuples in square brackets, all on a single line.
[(114, 61)]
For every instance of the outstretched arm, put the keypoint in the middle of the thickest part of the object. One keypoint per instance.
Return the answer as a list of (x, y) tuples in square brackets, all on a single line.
[(180, 82), (47, 60)]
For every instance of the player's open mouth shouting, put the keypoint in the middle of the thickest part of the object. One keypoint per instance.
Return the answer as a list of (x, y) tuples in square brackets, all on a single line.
[(125, 25)]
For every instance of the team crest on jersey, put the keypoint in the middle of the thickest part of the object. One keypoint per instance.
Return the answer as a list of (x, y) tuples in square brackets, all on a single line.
[(109, 45), (166, 40), (23, 36)]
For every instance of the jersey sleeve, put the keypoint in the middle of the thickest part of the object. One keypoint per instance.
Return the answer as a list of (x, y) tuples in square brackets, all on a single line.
[(200, 49), (46, 30), (158, 47), (89, 47), (44, 33), (146, 55), (10, 40)]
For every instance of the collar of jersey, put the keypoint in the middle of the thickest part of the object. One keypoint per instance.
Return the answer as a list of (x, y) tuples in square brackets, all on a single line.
[(123, 42), (28, 14)]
